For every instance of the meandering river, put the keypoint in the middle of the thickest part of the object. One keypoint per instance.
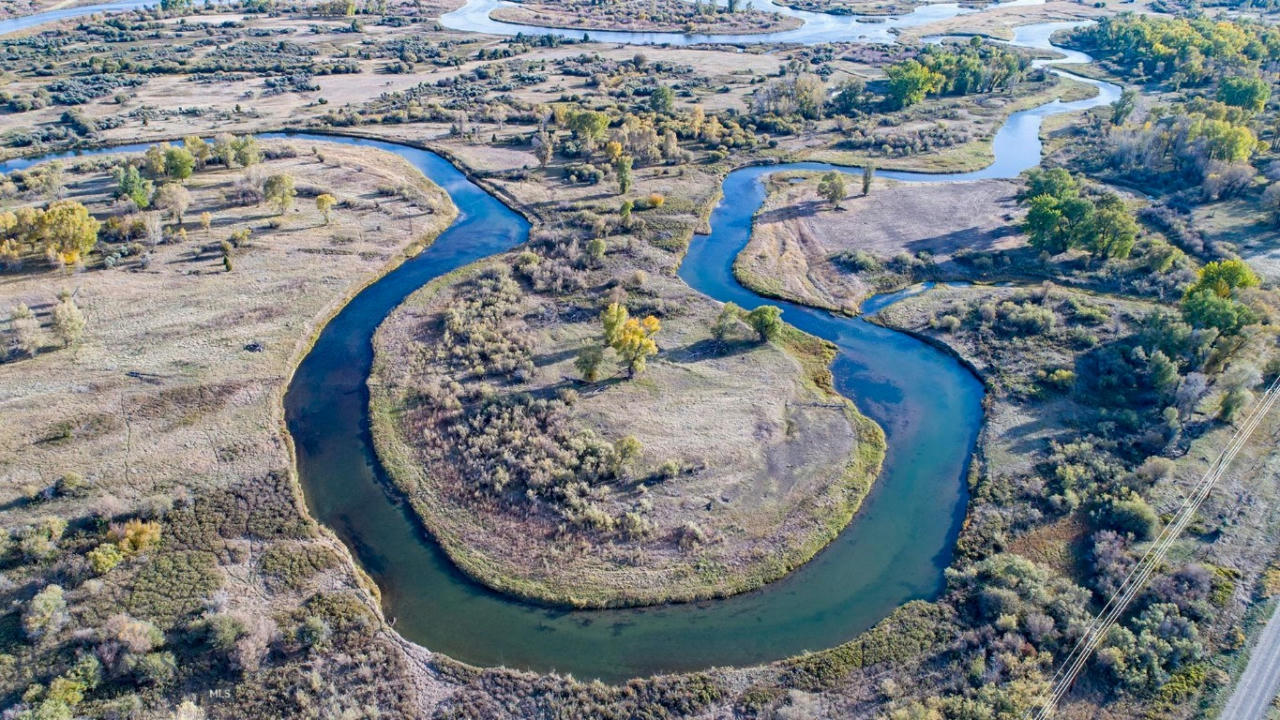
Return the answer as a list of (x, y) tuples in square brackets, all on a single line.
[(894, 550)]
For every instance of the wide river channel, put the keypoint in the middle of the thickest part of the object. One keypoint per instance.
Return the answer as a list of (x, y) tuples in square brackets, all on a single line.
[(895, 549)]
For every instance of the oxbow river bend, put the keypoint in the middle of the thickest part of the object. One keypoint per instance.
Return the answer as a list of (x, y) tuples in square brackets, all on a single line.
[(895, 549)]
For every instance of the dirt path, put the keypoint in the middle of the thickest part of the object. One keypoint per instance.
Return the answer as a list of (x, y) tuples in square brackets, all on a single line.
[(1261, 679)]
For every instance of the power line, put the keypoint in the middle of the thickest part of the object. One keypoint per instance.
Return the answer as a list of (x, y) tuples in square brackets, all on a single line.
[(1137, 578)]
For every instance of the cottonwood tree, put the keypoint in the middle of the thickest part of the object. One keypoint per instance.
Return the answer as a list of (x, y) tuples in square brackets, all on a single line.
[(68, 231), (325, 203), (279, 191), (623, 167), (588, 362), (543, 147), (766, 320), (832, 188), (68, 321), (729, 318), (178, 163), (174, 199), (636, 344)]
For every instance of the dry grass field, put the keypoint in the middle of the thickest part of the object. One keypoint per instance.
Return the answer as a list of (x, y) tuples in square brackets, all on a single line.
[(797, 235), (172, 395)]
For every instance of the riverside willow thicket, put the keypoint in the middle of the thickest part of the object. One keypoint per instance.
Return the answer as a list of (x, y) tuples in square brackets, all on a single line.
[(428, 408)]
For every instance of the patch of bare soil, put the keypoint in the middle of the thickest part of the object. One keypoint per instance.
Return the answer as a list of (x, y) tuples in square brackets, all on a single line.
[(798, 238)]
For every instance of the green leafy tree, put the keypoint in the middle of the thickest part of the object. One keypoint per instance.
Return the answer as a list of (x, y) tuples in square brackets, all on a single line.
[(131, 184), (663, 100), (246, 151), (910, 82), (1114, 232), (596, 249), (623, 167), (729, 318), (279, 191), (1124, 106), (178, 163), (1206, 309), (588, 362), (589, 127), (199, 149), (832, 188), (766, 320), (1248, 92)]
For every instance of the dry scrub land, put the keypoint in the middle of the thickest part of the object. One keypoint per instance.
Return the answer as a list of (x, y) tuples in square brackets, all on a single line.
[(1034, 421), (748, 462), (643, 16), (169, 408)]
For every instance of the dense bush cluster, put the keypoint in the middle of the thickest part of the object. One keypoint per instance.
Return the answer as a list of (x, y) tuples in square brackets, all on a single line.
[(516, 447)]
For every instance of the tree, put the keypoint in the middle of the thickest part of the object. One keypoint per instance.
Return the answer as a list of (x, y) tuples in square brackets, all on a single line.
[(246, 151), (279, 191), (178, 163), (198, 148), (635, 343), (153, 160), (1206, 309), (868, 174), (613, 318), (325, 203), (68, 230), (729, 318), (1124, 106), (131, 184), (909, 82), (543, 148), (68, 321), (224, 149), (588, 126), (596, 249), (766, 320), (206, 221), (588, 362), (1055, 182), (1114, 232), (1042, 224), (831, 188), (1224, 277), (24, 328), (174, 199), (623, 167), (663, 100), (1250, 93)]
